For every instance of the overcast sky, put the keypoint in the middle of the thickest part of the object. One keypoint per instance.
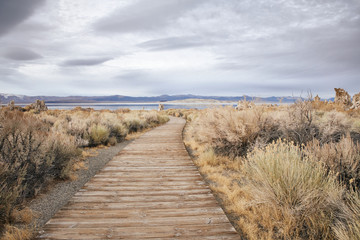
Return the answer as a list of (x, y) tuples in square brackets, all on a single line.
[(205, 47)]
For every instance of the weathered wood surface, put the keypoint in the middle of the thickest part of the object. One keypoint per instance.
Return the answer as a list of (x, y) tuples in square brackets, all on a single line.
[(150, 190)]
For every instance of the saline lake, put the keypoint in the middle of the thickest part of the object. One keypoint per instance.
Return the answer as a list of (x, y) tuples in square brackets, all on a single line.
[(135, 106)]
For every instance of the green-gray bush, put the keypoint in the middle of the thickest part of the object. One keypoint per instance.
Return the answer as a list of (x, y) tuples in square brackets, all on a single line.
[(99, 134)]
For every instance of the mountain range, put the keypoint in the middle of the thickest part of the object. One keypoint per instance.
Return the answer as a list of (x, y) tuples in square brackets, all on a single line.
[(23, 99)]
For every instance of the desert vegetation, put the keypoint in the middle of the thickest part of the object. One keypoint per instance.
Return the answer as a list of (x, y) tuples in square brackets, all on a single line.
[(37, 147), (282, 172)]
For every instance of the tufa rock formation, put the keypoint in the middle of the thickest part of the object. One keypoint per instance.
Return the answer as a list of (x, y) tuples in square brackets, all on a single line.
[(317, 98), (356, 101), (161, 107), (342, 97), (38, 106), (11, 105)]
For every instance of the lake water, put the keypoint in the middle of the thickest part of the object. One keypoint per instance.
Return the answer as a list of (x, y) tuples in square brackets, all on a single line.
[(138, 106), (135, 106)]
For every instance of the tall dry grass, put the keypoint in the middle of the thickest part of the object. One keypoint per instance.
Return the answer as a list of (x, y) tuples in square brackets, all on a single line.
[(30, 156), (234, 133), (36, 148), (301, 194), (340, 158), (298, 188), (349, 227)]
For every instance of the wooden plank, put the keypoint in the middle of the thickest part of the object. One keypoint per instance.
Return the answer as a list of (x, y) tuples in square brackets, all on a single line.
[(158, 199), (84, 221), (175, 192), (139, 205), (150, 190), (140, 232), (138, 183), (126, 213)]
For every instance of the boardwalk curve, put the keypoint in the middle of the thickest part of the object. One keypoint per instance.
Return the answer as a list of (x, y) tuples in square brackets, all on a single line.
[(150, 190)]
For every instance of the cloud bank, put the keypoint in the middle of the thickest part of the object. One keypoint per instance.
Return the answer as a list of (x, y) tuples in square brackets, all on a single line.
[(212, 47), (85, 62), (14, 12)]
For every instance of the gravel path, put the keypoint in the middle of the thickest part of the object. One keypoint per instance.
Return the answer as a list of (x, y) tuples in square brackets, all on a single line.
[(47, 204)]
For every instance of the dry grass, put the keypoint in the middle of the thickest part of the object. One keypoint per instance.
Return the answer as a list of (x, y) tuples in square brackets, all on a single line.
[(281, 189), (301, 193), (89, 152), (184, 113), (14, 233), (99, 134), (37, 148), (232, 135), (274, 193), (25, 215), (340, 158), (349, 228), (30, 157)]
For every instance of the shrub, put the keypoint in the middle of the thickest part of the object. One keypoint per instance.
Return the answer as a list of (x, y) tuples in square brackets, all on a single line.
[(117, 131), (99, 134), (229, 132), (333, 126), (341, 158), (29, 157), (34, 149), (9, 191), (349, 227), (299, 125), (300, 192), (22, 152), (112, 141), (234, 133), (290, 189), (61, 153), (83, 124), (133, 125), (162, 119), (153, 118)]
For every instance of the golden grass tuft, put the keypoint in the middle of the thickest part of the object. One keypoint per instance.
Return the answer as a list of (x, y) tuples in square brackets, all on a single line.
[(99, 134), (299, 190), (14, 233), (78, 166), (25, 215)]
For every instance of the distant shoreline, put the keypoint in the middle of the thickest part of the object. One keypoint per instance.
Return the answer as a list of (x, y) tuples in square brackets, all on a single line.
[(186, 103)]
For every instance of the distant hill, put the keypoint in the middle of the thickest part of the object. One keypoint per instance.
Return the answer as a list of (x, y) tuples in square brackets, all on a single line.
[(6, 98)]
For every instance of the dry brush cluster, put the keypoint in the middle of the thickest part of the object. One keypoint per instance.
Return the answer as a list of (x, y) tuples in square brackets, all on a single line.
[(37, 148), (282, 172)]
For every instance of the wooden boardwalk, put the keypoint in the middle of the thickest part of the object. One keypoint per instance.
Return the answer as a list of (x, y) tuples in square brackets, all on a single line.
[(151, 190)]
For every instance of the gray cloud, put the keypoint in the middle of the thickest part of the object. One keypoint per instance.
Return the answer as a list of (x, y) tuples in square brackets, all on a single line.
[(173, 43), (145, 15), (21, 54), (139, 79), (85, 61), (133, 75), (6, 72), (13, 12), (233, 66)]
